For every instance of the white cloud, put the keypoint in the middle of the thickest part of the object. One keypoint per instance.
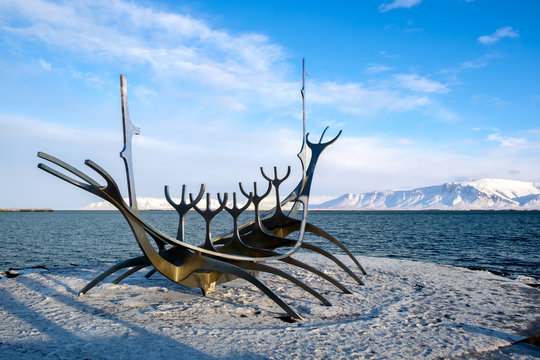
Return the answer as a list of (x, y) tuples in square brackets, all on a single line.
[(230, 103), (439, 111), (380, 162), (420, 84), (377, 68), (478, 62), (405, 141), (398, 4), (494, 100), (384, 163), (474, 64), (407, 29), (501, 33), (170, 43), (359, 100), (219, 161), (143, 94), (387, 55), (247, 67), (509, 142), (35, 131), (45, 65)]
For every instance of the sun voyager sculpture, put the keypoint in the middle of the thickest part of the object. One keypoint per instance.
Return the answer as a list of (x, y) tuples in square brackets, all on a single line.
[(244, 252)]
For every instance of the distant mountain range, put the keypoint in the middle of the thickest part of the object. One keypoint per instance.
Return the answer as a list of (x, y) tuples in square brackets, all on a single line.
[(149, 203), (484, 194)]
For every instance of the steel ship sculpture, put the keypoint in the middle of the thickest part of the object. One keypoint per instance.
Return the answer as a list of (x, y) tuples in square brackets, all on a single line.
[(244, 252)]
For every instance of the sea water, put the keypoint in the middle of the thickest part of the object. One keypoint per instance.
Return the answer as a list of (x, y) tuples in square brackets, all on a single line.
[(505, 242)]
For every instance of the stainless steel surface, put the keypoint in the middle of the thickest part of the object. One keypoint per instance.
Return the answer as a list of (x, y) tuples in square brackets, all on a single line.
[(129, 131), (177, 263), (183, 207), (225, 257)]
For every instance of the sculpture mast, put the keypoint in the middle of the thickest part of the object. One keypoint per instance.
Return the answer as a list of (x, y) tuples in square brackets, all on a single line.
[(129, 130), (303, 99)]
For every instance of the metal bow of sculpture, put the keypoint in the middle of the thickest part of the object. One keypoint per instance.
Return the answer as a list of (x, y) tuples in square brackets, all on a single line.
[(276, 222)]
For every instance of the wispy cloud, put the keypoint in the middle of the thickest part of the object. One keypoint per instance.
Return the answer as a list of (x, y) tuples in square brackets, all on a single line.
[(359, 100), (26, 129), (387, 55), (377, 68), (405, 141), (495, 100), (169, 43), (501, 33), (418, 83), (144, 94), (44, 65), (248, 67), (441, 112), (396, 4), (472, 64), (409, 28), (509, 142), (380, 161)]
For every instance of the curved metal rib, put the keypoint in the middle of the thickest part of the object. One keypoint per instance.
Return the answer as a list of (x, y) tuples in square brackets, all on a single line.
[(276, 182), (331, 257), (256, 235), (283, 274), (235, 244), (183, 207), (255, 240), (131, 271), (318, 231), (150, 273), (235, 212), (310, 268), (277, 223), (256, 200), (208, 215), (215, 265), (141, 260), (290, 225), (257, 252)]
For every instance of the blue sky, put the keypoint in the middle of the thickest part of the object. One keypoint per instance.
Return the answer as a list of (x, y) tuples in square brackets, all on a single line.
[(425, 92)]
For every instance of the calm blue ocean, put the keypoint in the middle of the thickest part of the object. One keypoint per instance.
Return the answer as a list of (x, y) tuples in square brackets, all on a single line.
[(507, 242)]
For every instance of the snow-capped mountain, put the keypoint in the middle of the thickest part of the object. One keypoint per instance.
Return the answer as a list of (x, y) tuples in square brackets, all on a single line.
[(150, 203), (144, 203), (484, 194)]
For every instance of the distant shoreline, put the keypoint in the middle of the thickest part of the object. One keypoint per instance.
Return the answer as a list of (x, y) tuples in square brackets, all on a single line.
[(310, 210), (26, 210), (349, 210)]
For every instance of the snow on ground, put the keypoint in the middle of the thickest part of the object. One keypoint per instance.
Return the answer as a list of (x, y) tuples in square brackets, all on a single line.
[(406, 309)]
